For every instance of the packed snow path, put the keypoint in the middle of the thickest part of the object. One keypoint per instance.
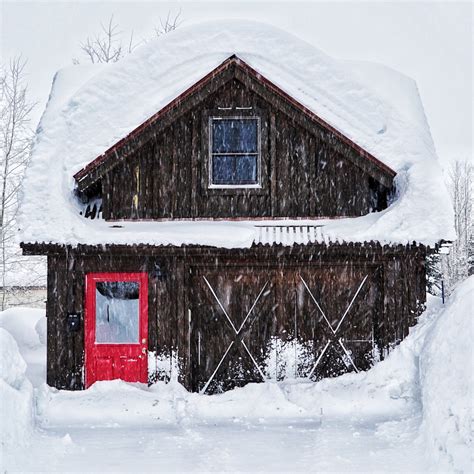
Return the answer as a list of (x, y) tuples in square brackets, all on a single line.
[(292, 446)]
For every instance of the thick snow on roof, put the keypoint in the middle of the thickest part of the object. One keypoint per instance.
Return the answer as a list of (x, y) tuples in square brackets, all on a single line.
[(91, 108)]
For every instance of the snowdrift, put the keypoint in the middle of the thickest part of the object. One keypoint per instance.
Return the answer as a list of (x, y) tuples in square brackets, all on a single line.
[(427, 379), (22, 360), (446, 374), (390, 390), (16, 394), (28, 328)]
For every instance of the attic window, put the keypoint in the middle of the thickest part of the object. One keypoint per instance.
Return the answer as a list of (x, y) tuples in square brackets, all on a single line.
[(234, 152)]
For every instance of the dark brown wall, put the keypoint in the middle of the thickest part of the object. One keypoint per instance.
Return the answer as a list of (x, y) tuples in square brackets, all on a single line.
[(391, 301), (302, 174)]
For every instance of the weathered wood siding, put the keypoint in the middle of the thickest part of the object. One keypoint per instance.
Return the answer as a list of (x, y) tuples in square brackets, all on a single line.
[(184, 318), (304, 174)]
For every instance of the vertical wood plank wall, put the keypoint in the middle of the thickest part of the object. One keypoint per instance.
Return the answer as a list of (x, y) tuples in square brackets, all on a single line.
[(400, 282), (302, 174)]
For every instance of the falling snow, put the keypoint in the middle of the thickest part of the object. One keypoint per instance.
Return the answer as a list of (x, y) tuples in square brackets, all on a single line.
[(91, 108), (410, 412)]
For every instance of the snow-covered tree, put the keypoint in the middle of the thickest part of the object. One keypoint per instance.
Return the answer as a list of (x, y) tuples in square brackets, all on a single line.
[(458, 264), (15, 143), (434, 274)]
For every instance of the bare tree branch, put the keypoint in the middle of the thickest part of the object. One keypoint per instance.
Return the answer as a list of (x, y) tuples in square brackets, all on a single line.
[(170, 23), (106, 46), (110, 46)]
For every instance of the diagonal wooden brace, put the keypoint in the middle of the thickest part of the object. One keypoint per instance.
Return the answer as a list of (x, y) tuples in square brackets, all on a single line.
[(238, 334), (334, 338)]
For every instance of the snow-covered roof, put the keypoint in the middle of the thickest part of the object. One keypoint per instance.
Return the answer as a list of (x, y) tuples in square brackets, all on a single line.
[(92, 107)]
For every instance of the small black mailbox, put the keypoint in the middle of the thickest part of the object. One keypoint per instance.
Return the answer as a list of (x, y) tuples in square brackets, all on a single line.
[(158, 272), (73, 322)]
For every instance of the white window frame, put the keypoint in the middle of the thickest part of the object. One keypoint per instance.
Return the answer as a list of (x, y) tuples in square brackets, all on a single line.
[(258, 184)]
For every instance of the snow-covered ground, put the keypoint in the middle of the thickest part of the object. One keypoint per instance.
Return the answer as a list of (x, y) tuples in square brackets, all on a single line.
[(411, 412)]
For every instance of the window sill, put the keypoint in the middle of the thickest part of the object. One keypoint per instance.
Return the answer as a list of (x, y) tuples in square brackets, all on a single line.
[(235, 186)]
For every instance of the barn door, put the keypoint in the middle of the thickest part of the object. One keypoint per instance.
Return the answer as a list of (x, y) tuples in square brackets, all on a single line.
[(232, 319), (250, 324), (336, 318), (116, 327)]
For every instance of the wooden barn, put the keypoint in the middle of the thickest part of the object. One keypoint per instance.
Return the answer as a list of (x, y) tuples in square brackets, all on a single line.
[(240, 210)]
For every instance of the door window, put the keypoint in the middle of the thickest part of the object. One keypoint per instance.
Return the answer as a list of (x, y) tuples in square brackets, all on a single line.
[(117, 312)]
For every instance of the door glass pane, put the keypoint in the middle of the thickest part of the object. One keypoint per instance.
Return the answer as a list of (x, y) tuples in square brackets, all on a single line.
[(117, 317)]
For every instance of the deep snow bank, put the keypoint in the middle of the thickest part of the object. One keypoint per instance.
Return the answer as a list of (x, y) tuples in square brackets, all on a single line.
[(446, 373), (428, 375), (390, 390), (16, 395), (28, 328), (22, 361)]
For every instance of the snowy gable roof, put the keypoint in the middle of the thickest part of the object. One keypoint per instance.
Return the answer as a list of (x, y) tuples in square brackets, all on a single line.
[(92, 108), (96, 168)]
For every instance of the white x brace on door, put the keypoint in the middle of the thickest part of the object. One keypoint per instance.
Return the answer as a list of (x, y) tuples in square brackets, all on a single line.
[(237, 336), (334, 332)]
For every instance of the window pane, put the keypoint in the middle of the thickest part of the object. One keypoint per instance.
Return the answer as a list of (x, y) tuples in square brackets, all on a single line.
[(234, 136), (246, 169), (117, 306), (235, 169), (223, 169)]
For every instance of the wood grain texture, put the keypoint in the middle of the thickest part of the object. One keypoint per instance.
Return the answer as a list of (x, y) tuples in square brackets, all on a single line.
[(305, 171), (388, 304)]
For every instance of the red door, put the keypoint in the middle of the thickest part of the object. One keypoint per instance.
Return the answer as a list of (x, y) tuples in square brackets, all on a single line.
[(116, 327)]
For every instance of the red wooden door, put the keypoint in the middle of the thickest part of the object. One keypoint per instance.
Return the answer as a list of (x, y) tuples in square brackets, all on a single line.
[(116, 327)]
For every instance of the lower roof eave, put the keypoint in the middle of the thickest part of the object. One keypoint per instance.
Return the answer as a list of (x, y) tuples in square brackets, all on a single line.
[(50, 248)]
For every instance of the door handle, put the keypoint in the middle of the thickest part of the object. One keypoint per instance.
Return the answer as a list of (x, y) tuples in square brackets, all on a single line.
[(144, 350)]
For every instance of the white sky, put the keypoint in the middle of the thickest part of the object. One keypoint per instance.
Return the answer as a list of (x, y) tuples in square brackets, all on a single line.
[(429, 41)]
